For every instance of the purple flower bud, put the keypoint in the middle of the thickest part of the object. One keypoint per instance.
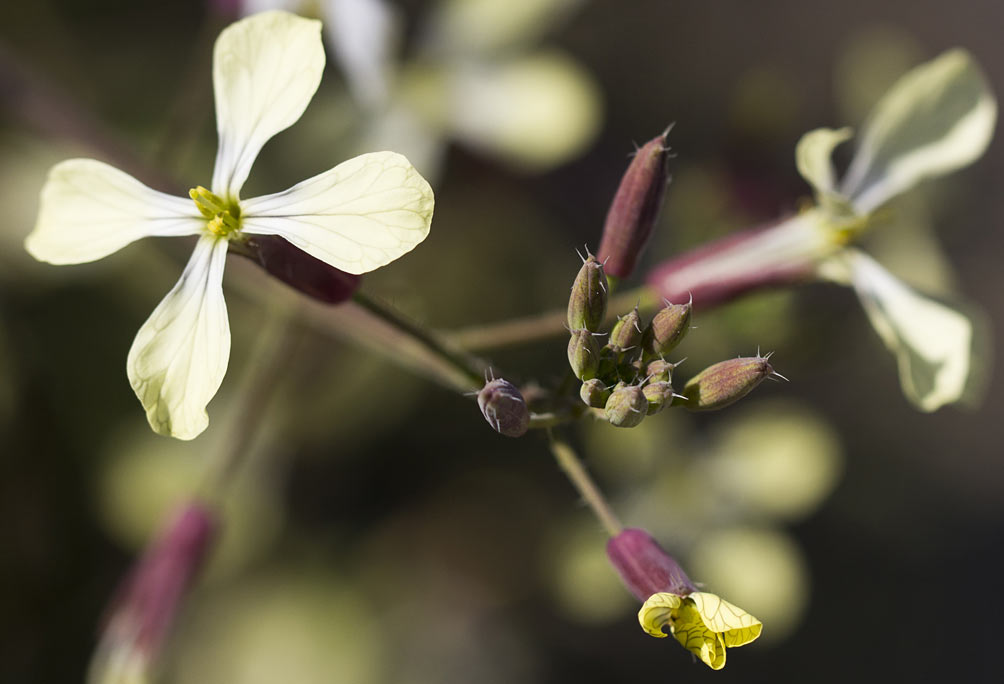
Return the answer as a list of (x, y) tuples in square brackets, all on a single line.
[(626, 407), (587, 305), (635, 208), (644, 567), (141, 614), (504, 408), (726, 382), (298, 269), (667, 329)]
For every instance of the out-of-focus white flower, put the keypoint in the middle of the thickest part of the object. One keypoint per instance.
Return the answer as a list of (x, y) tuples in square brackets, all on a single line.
[(356, 217)]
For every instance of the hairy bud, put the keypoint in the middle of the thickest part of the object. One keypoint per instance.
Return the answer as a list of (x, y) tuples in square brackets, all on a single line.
[(583, 354), (626, 333), (504, 408), (626, 407), (658, 395), (635, 208), (587, 304), (666, 330), (660, 371), (594, 393), (725, 383)]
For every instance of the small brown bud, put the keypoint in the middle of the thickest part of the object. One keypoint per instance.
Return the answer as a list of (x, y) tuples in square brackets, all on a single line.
[(504, 408), (658, 395), (666, 330), (626, 333), (583, 354), (626, 407), (724, 383), (635, 208), (587, 304), (594, 393)]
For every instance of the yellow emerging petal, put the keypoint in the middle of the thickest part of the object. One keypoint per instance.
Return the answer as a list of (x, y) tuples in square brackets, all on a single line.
[(695, 636), (735, 625), (657, 612)]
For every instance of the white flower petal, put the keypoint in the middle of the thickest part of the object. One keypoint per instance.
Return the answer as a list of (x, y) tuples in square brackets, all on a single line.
[(180, 355), (358, 216), (265, 70), (932, 342), (363, 33), (813, 158), (937, 118), (88, 210)]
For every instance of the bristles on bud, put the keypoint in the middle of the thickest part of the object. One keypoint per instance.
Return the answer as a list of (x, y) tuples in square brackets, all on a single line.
[(504, 408)]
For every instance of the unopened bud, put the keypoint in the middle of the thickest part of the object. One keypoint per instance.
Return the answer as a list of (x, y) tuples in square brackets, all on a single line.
[(298, 269), (658, 395), (583, 354), (587, 304), (142, 614), (644, 567), (635, 208), (504, 408), (666, 330), (660, 371), (724, 383), (594, 393), (626, 407), (626, 333)]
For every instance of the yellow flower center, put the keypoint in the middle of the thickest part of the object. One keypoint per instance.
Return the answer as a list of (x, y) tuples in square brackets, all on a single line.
[(224, 217)]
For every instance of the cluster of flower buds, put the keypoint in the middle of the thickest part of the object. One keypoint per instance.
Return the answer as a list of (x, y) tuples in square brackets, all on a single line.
[(629, 376)]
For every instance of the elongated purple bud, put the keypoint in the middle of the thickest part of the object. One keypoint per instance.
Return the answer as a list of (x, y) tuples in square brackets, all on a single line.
[(141, 614), (725, 383), (666, 330), (504, 408), (635, 208), (587, 305), (644, 567), (298, 269)]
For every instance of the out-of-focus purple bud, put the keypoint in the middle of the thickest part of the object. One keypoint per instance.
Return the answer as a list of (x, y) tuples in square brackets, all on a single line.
[(583, 354), (298, 269), (626, 407), (587, 305), (726, 382), (644, 567), (594, 393), (141, 614), (635, 208), (504, 408), (627, 332), (666, 330)]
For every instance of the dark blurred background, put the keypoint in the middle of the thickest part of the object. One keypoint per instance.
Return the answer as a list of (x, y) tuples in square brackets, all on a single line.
[(378, 530)]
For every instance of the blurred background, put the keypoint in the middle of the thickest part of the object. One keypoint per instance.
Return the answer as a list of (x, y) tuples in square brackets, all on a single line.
[(377, 530)]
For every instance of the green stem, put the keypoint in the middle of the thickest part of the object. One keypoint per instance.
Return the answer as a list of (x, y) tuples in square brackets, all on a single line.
[(542, 326), (583, 483)]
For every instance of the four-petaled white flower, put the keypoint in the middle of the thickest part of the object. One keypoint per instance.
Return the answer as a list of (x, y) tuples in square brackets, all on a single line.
[(358, 216)]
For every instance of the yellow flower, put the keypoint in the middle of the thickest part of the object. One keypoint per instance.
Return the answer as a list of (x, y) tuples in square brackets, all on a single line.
[(703, 623)]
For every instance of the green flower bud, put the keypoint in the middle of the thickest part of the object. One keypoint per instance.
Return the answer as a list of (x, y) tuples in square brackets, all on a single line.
[(588, 303), (504, 408), (666, 330), (659, 395), (724, 383), (626, 333), (583, 354), (594, 393), (660, 371), (626, 407)]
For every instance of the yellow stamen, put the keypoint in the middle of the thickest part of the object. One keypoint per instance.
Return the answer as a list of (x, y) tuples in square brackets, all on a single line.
[(224, 218)]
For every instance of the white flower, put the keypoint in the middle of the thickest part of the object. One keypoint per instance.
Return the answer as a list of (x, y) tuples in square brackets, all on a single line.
[(938, 118), (358, 216)]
